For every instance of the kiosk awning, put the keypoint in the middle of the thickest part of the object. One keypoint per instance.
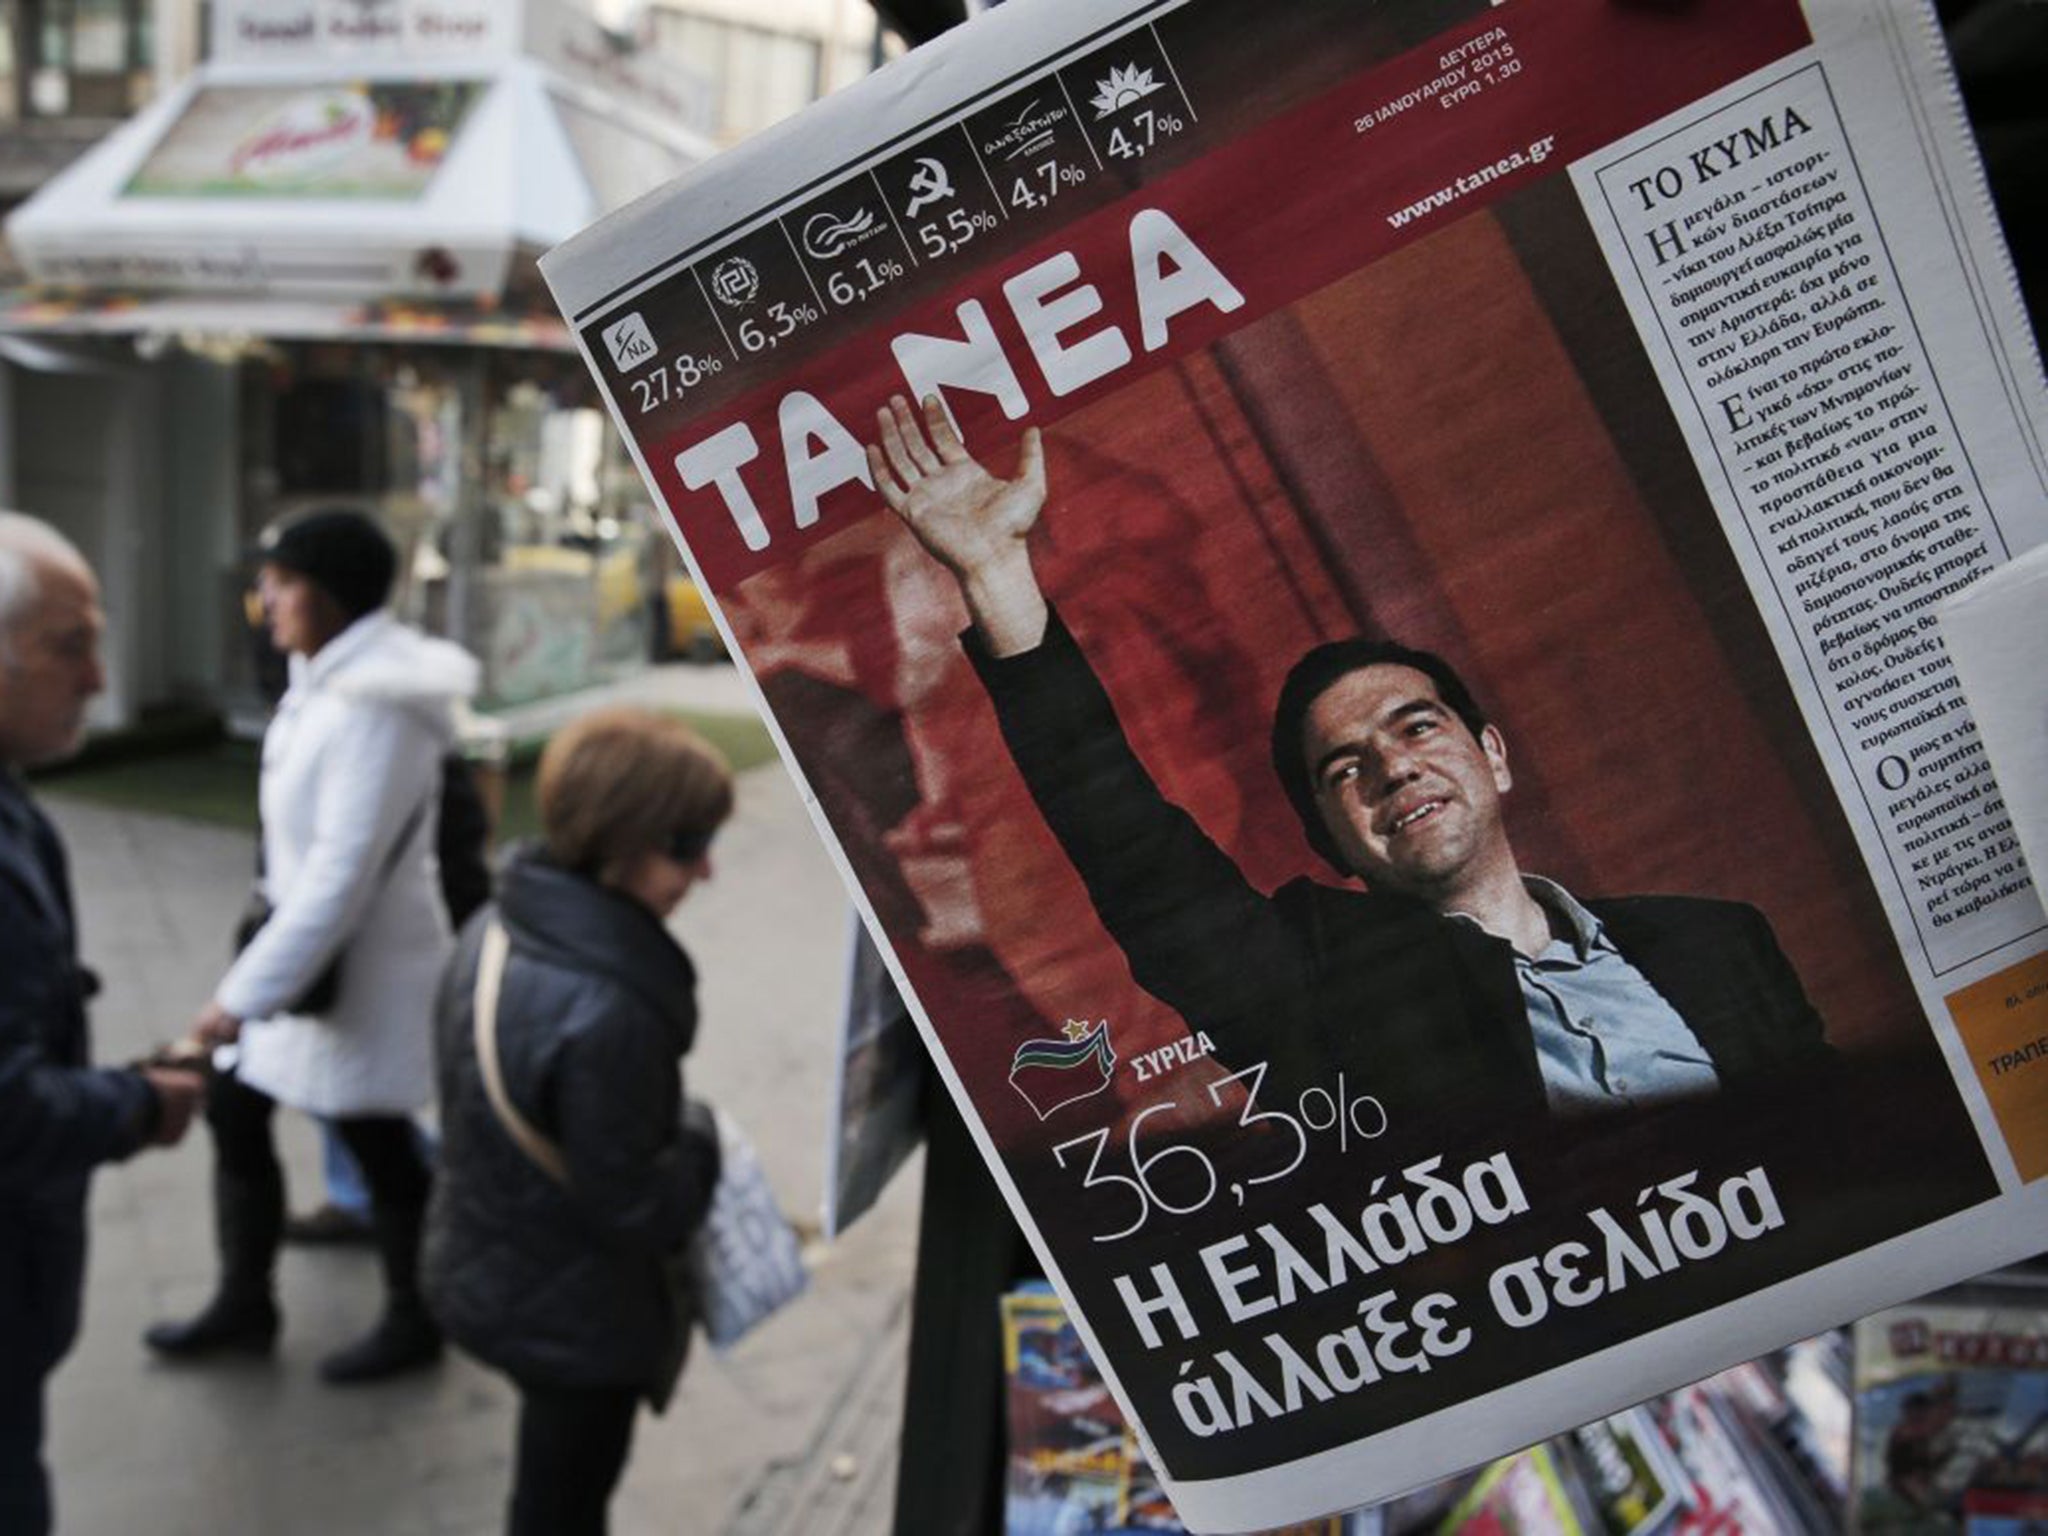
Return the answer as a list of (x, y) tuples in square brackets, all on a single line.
[(55, 312), (305, 179)]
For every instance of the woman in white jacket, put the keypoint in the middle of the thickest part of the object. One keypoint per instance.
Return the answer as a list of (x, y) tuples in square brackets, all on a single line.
[(350, 796)]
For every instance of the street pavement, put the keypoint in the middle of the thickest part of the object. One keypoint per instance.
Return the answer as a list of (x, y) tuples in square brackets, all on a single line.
[(794, 1431)]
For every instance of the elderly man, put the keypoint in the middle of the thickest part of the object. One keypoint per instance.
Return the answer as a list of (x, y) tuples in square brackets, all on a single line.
[(59, 1116)]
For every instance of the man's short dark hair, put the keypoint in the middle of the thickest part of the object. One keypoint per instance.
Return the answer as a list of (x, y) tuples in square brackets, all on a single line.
[(1313, 676)]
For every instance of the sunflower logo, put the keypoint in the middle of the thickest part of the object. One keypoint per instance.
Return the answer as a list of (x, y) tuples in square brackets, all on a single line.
[(1124, 85)]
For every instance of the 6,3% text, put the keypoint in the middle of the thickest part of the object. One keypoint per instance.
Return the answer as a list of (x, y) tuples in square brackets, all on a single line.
[(783, 321)]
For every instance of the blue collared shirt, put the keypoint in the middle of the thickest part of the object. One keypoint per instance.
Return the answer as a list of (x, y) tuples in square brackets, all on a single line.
[(1605, 1038)]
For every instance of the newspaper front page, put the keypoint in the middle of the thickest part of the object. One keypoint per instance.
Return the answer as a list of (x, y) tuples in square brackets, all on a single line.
[(1353, 587)]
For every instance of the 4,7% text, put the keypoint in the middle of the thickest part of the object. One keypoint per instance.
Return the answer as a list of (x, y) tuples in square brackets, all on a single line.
[(1146, 129)]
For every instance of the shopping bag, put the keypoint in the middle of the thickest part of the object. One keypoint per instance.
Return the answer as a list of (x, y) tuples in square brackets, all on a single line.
[(744, 1260)]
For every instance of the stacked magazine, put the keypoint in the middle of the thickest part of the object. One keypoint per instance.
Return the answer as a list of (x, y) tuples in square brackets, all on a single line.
[(1930, 1419)]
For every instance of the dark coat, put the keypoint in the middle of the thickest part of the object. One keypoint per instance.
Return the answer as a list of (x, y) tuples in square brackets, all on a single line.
[(563, 1286), (1423, 1011), (59, 1116)]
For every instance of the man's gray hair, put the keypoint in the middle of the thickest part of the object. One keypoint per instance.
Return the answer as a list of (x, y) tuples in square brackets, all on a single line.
[(27, 544)]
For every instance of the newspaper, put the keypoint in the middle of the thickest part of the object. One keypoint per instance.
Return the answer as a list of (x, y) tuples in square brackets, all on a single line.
[(1996, 629), (878, 1084), (1394, 1055)]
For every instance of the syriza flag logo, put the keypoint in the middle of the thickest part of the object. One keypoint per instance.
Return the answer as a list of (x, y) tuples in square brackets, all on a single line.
[(1051, 1074)]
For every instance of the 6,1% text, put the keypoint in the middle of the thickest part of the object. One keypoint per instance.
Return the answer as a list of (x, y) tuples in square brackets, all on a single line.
[(851, 285)]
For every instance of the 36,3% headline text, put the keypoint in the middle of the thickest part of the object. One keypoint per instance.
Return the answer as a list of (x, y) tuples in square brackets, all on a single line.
[(1180, 1179)]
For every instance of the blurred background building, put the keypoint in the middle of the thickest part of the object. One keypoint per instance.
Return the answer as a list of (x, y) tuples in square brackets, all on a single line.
[(263, 255)]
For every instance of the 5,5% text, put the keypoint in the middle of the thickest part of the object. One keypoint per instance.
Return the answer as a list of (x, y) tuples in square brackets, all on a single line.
[(944, 238), (1180, 1179)]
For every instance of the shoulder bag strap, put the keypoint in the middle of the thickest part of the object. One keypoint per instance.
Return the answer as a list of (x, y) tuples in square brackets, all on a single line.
[(490, 973), (385, 866), (405, 835)]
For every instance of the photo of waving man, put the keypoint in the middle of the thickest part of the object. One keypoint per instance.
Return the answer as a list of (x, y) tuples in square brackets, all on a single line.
[(1455, 978)]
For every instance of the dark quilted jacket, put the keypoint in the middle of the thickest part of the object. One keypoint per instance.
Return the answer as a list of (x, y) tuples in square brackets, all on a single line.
[(563, 1286)]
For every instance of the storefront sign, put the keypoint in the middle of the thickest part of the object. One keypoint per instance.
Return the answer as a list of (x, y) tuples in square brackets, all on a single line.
[(248, 30), (382, 140)]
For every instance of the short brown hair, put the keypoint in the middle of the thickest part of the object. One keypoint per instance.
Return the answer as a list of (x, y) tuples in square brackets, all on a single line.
[(620, 782), (1315, 675)]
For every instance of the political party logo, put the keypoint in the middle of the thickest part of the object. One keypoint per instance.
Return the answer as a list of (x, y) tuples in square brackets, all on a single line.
[(736, 281), (629, 342), (929, 184), (1120, 88), (1052, 1074), (1030, 131), (827, 235)]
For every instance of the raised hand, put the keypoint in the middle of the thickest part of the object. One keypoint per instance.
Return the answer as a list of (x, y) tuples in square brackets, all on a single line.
[(972, 522)]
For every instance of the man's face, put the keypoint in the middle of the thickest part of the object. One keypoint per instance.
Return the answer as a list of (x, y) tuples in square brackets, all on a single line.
[(50, 668), (1410, 796)]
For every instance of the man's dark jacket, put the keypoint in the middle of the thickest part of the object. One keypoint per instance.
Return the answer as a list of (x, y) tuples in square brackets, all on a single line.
[(1423, 1011), (59, 1116), (555, 1286)]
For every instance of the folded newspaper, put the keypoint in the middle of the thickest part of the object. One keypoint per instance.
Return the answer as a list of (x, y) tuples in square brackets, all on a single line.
[(1353, 586)]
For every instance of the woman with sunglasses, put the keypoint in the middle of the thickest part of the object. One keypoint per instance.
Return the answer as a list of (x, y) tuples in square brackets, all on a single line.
[(570, 1173)]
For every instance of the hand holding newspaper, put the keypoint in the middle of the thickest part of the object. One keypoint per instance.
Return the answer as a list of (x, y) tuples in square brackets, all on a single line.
[(1452, 880)]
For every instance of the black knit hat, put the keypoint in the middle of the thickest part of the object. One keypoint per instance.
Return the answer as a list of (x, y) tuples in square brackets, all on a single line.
[(342, 552)]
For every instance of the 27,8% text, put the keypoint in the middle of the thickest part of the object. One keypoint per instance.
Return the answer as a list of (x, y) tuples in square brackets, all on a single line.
[(674, 378), (1153, 1184)]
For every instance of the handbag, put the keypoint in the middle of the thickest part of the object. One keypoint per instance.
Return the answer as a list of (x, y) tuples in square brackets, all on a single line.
[(745, 1259), (323, 992), (742, 1263)]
